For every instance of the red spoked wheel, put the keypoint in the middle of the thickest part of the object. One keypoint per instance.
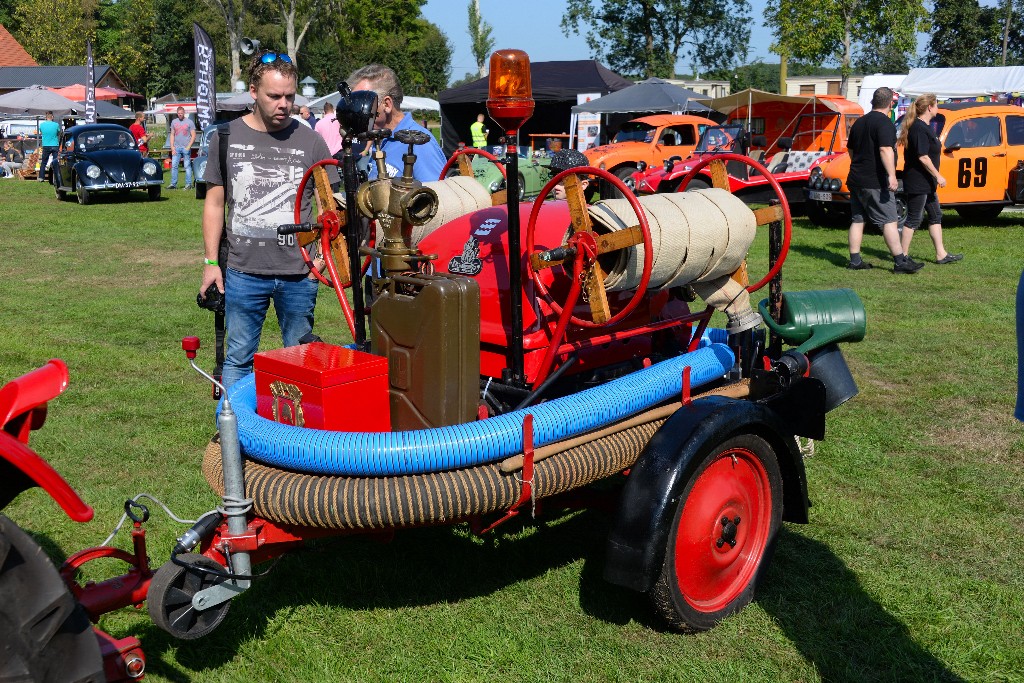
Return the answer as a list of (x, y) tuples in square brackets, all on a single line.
[(763, 216), (584, 246), (465, 165), (332, 242), (722, 536)]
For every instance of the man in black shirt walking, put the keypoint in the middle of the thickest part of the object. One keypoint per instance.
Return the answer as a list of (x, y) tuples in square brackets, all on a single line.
[(872, 182)]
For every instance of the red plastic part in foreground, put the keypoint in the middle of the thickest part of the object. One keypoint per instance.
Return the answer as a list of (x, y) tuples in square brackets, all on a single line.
[(734, 485), (22, 409)]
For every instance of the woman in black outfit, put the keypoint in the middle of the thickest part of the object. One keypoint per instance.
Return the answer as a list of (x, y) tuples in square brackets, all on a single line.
[(921, 177)]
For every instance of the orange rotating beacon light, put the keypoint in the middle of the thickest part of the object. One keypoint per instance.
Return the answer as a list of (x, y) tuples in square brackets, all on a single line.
[(510, 105)]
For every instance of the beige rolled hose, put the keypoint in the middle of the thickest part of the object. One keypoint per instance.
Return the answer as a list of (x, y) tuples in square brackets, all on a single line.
[(696, 236)]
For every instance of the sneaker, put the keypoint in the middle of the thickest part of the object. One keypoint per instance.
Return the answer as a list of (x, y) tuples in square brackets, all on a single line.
[(907, 266), (172, 187), (863, 265), (188, 187), (950, 258)]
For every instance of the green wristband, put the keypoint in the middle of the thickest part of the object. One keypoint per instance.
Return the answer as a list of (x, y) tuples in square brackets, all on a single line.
[(210, 262)]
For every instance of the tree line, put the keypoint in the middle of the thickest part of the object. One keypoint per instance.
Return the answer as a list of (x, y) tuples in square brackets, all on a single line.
[(645, 38), (149, 42)]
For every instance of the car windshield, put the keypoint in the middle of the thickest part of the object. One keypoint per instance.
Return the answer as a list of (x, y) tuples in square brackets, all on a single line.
[(719, 138), (90, 141), (635, 131)]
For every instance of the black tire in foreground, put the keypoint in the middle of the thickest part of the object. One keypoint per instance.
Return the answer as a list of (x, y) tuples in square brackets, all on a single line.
[(44, 634), (722, 536)]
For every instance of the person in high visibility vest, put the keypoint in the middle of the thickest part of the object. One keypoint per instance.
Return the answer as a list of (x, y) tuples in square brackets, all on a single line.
[(478, 132)]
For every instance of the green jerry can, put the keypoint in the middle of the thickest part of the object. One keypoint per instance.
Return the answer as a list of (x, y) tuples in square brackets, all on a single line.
[(816, 322)]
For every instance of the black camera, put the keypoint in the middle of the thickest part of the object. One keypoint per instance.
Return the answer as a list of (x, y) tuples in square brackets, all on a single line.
[(356, 111), (213, 301)]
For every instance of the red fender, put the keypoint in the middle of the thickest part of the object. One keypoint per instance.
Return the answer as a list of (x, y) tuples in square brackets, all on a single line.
[(22, 409)]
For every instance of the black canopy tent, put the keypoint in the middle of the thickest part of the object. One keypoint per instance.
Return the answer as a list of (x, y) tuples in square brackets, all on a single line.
[(653, 96), (555, 86)]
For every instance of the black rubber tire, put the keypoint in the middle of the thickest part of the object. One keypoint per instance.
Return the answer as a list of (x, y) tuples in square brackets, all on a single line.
[(154, 192), (61, 194), (522, 187), (84, 197), (739, 568), (625, 174), (826, 216), (45, 634), (169, 599), (695, 184), (984, 212), (200, 190)]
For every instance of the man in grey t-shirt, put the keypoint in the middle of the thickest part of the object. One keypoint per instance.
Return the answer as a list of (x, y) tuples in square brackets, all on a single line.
[(267, 154), (183, 134)]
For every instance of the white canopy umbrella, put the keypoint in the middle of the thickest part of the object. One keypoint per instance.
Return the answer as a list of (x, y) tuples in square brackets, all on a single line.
[(408, 103), (36, 101)]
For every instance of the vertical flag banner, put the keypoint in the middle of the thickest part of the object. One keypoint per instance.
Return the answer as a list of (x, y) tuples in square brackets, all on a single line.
[(90, 85), (206, 91)]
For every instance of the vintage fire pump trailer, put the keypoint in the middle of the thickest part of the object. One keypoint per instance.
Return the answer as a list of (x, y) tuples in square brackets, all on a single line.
[(498, 381)]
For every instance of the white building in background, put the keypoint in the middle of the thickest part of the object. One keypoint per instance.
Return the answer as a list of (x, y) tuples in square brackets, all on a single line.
[(703, 86), (824, 85)]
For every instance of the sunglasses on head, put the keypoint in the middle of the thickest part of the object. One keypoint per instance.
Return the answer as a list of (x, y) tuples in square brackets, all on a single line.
[(271, 57)]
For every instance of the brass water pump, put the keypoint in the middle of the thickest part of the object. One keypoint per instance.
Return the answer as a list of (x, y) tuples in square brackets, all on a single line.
[(397, 204)]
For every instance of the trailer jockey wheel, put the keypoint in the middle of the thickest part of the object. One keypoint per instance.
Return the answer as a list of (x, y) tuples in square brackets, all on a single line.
[(584, 246), (762, 216), (465, 166), (722, 534), (330, 220), (169, 599)]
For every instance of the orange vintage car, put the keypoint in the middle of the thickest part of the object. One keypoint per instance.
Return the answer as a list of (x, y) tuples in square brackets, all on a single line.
[(982, 162), (649, 139)]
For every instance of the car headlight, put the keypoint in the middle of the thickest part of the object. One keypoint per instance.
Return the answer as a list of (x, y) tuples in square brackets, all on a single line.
[(496, 185), (149, 168), (93, 171), (668, 166), (835, 184), (815, 173), (642, 166), (601, 166), (816, 183)]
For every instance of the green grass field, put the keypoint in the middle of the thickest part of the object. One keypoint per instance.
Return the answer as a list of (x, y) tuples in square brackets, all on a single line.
[(910, 569)]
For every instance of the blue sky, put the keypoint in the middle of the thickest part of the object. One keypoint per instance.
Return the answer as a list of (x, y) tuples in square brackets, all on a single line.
[(533, 26)]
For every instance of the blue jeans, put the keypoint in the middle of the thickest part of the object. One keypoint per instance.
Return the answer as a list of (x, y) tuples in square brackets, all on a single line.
[(186, 157), (247, 298)]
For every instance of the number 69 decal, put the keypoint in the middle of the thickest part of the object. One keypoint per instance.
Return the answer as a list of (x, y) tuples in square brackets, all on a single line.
[(980, 174)]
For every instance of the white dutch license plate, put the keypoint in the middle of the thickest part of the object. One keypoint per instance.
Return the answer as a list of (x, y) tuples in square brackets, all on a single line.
[(820, 196)]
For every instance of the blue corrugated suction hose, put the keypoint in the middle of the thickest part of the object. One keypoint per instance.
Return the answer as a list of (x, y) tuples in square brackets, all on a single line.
[(432, 450)]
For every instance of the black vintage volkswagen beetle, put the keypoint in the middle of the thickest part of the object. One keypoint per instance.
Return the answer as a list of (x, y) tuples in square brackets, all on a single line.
[(103, 157)]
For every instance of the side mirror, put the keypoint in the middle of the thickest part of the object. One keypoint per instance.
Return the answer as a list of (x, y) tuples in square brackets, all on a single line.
[(952, 148)]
